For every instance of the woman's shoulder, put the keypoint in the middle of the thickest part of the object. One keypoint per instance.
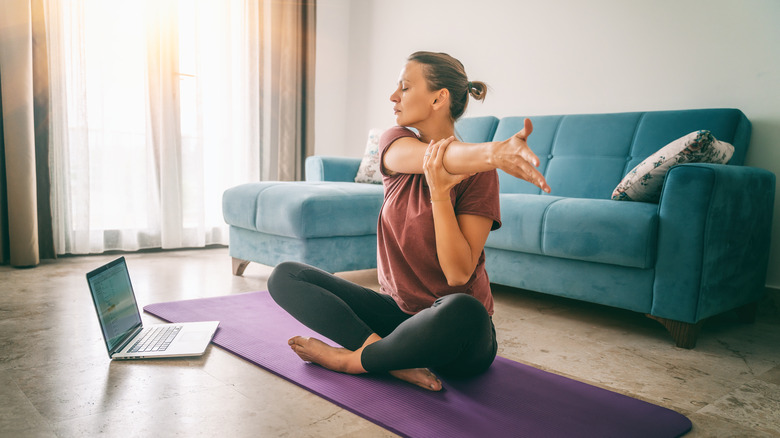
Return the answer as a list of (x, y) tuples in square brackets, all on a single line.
[(394, 133)]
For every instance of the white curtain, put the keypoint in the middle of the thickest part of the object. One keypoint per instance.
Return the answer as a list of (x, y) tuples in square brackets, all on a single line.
[(156, 110)]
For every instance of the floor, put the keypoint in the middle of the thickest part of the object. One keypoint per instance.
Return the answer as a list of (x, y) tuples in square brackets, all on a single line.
[(729, 386)]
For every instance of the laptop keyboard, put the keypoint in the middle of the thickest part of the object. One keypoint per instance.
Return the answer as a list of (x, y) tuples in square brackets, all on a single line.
[(157, 339)]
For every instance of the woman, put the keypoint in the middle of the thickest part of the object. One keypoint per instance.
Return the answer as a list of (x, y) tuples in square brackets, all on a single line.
[(434, 308)]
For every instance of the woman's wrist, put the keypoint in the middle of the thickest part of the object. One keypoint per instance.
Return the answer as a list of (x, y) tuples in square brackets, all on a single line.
[(491, 153), (439, 196)]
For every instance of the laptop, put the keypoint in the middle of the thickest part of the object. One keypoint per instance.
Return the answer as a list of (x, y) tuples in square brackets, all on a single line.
[(125, 334)]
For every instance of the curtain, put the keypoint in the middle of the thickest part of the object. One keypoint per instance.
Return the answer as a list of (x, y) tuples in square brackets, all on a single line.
[(291, 88), (25, 215), (158, 106)]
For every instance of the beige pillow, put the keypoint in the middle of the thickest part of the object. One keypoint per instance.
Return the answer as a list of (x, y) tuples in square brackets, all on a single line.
[(368, 172), (644, 182)]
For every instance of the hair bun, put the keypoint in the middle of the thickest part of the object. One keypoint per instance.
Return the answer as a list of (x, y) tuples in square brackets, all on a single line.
[(477, 89)]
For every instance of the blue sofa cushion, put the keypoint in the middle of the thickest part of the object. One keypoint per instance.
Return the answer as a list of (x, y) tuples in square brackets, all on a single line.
[(602, 231), (543, 135), (522, 218), (476, 129), (304, 209)]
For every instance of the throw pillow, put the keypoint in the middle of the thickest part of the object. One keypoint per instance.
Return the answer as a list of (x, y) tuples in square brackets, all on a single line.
[(644, 182), (368, 172)]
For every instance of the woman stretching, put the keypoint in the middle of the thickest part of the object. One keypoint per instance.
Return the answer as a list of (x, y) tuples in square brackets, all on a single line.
[(433, 311)]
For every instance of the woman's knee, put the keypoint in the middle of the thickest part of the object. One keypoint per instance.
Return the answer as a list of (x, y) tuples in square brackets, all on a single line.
[(461, 304), (461, 309), (469, 321), (281, 277)]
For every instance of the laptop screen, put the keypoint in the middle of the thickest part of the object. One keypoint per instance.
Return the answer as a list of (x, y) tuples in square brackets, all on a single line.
[(114, 301)]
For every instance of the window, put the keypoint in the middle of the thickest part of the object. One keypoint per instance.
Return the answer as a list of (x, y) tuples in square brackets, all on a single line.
[(155, 112)]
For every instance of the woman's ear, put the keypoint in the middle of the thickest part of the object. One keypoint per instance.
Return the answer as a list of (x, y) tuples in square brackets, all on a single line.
[(442, 98)]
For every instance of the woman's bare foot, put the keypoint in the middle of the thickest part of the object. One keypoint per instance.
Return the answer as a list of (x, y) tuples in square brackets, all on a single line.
[(421, 377), (347, 361), (332, 358)]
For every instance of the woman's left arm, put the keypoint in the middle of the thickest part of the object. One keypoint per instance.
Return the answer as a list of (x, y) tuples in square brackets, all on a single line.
[(459, 239)]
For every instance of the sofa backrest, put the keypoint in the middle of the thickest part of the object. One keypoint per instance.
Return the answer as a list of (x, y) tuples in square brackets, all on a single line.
[(587, 155)]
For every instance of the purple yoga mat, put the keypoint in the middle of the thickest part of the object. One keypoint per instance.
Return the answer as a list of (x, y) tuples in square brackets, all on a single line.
[(510, 399)]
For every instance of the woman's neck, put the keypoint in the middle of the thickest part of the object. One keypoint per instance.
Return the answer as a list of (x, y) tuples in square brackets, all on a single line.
[(435, 132)]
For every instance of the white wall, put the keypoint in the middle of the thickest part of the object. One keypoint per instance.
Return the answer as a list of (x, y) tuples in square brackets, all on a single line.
[(554, 57), (332, 63)]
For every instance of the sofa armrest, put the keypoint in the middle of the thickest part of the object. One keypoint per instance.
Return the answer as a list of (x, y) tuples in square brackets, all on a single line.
[(324, 168), (713, 240)]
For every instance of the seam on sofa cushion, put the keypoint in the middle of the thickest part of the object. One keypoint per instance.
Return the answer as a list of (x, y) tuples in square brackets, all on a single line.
[(553, 143), (631, 147), (493, 129), (544, 224), (742, 131), (704, 241), (652, 241)]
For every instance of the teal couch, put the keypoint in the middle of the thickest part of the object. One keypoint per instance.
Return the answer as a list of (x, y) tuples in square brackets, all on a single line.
[(701, 251)]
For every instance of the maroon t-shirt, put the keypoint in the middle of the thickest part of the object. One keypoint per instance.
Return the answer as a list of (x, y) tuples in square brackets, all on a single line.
[(408, 266)]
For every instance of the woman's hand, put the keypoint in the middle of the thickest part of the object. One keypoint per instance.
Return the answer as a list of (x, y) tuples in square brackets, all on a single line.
[(514, 157), (440, 181)]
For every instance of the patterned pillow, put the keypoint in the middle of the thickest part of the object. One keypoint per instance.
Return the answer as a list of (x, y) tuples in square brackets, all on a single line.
[(644, 182), (368, 172)]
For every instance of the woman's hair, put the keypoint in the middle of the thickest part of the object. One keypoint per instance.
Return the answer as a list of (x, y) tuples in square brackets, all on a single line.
[(443, 71)]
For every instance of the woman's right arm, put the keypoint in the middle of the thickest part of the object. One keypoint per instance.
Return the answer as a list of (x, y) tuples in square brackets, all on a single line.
[(513, 156)]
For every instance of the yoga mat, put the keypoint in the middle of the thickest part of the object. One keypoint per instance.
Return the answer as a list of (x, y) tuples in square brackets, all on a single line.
[(509, 400)]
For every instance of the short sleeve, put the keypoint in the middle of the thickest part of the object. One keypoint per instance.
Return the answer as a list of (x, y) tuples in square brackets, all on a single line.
[(478, 195), (387, 138)]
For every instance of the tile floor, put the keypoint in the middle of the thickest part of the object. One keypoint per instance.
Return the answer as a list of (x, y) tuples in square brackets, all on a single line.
[(56, 379)]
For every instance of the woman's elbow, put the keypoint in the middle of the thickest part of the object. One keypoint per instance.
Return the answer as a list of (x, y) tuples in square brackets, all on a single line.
[(455, 280), (458, 274)]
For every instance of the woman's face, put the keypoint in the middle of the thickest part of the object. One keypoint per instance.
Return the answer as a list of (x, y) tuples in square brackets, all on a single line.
[(412, 101)]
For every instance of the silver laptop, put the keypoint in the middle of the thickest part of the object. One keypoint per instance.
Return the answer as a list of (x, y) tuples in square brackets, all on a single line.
[(125, 335)]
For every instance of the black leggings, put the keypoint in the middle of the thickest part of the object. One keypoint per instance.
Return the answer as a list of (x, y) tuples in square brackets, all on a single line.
[(455, 336)]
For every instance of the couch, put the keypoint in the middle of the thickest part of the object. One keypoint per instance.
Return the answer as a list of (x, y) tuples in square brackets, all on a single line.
[(700, 249)]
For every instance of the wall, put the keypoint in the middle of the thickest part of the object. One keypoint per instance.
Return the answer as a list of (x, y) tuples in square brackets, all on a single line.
[(557, 56)]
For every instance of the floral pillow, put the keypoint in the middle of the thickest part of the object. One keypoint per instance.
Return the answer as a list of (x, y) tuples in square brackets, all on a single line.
[(368, 172), (644, 182)]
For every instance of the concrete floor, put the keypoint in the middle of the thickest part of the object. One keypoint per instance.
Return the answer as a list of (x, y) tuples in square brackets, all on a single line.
[(56, 378)]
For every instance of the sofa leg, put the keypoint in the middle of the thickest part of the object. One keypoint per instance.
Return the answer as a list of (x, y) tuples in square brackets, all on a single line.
[(683, 333), (239, 266)]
